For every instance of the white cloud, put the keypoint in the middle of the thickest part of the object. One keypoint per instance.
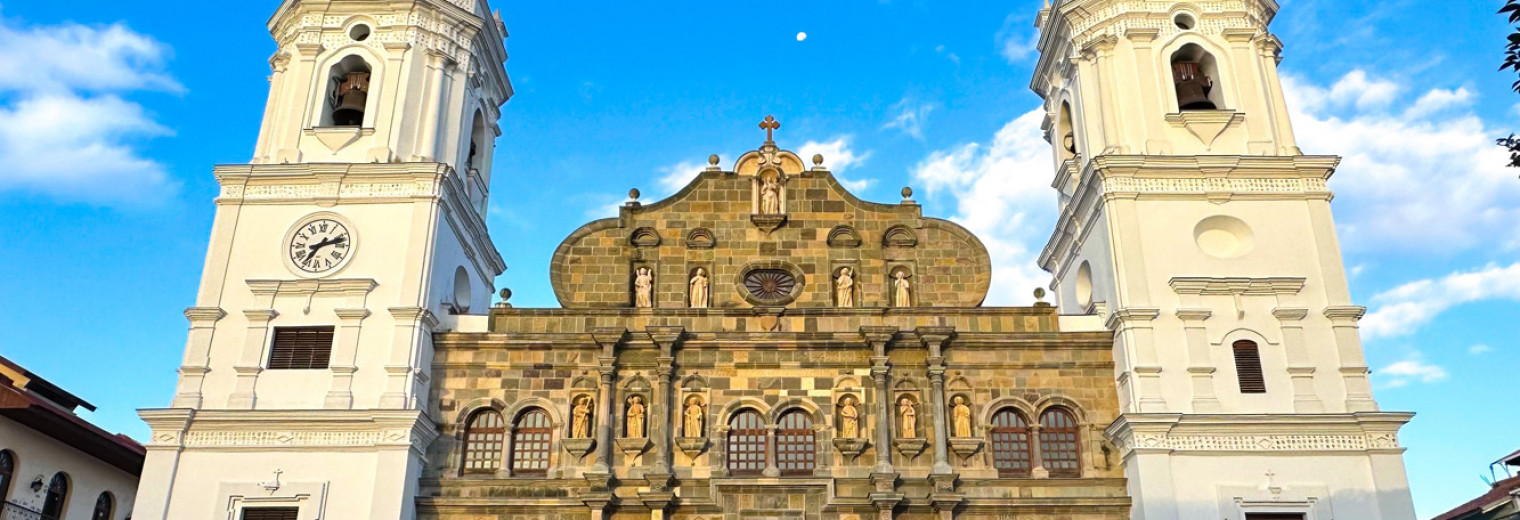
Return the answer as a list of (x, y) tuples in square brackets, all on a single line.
[(1017, 40), (1003, 195), (1480, 349), (838, 157), (953, 57), (910, 117), (1405, 308), (677, 176), (1427, 180), (64, 129), (1412, 369)]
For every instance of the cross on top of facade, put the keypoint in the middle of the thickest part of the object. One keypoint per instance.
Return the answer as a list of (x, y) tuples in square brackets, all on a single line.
[(770, 124)]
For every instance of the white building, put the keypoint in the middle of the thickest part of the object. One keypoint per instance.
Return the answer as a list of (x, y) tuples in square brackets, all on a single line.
[(1191, 225), (1195, 227), (54, 465)]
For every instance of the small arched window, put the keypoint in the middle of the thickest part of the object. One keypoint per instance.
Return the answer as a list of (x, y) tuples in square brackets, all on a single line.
[(1195, 74), (530, 443), (104, 506), (795, 444), (57, 496), (746, 443), (7, 474), (1059, 443), (484, 438), (347, 93), (1010, 444), (1248, 367)]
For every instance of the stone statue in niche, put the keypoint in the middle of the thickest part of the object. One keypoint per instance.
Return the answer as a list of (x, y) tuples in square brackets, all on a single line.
[(849, 418), (962, 414), (694, 415), (902, 291), (643, 288), (699, 285), (770, 196), (909, 418), (844, 288), (580, 426), (635, 417)]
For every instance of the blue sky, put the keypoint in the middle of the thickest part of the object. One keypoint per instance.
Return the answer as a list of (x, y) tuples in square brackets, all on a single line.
[(112, 113)]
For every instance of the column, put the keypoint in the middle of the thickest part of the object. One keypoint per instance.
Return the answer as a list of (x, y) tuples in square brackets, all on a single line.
[(344, 358), (192, 373), (251, 361), (886, 403), (427, 142), (1348, 344), (1036, 458), (605, 418), (1201, 364), (934, 338), (770, 452), (1301, 366)]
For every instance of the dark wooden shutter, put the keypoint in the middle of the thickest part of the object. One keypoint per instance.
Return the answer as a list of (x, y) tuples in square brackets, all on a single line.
[(271, 513), (1274, 516), (1248, 368), (301, 348)]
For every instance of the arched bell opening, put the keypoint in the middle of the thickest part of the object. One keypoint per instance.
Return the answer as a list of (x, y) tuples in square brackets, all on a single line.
[(1195, 73), (348, 93), (1067, 134)]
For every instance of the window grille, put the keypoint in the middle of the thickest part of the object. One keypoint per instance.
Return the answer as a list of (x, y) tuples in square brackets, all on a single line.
[(1010, 444)]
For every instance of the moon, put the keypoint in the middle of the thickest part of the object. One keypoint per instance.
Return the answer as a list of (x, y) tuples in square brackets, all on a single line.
[(801, 36)]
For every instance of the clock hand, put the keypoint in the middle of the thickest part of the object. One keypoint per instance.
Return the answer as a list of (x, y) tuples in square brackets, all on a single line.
[(312, 249)]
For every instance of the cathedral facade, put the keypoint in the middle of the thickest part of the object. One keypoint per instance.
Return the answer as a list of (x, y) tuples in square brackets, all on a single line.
[(764, 345)]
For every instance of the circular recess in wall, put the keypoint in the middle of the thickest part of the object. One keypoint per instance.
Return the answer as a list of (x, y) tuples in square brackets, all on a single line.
[(1185, 21), (359, 32), (461, 290), (1084, 285), (1224, 237)]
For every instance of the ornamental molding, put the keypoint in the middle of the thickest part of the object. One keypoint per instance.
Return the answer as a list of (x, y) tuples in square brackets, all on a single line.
[(1100, 20), (1206, 185), (1358, 432), (280, 183), (1224, 286), (430, 30), (1259, 443), (288, 429)]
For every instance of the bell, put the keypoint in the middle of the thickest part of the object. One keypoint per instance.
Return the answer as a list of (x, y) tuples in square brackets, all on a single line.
[(1193, 87), (352, 95)]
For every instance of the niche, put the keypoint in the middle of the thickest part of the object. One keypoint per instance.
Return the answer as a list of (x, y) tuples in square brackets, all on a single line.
[(348, 95), (1194, 72)]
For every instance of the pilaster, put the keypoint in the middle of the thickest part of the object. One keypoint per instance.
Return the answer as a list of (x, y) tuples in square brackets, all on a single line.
[(251, 362), (1301, 365), (192, 373), (1201, 365), (345, 358), (1348, 343)]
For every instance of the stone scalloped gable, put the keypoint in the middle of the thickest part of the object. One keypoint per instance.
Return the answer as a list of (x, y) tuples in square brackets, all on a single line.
[(712, 224)]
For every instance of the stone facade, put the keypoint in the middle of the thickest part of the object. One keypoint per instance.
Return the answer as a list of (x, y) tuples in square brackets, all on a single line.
[(805, 356)]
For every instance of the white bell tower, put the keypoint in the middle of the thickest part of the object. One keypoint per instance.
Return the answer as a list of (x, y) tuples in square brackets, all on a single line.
[(1193, 225), (355, 232)]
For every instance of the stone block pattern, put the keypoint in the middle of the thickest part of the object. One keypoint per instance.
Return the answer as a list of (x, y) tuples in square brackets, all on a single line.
[(595, 266), (805, 359)]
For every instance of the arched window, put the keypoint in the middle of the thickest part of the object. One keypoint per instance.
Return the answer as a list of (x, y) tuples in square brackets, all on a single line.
[(1248, 367), (530, 443), (1194, 72), (347, 93), (1010, 444), (794, 444), (104, 506), (746, 443), (1058, 443), (57, 496), (7, 474), (1066, 133), (484, 437)]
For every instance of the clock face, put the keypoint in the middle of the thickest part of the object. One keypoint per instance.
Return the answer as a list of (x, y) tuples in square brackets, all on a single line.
[(320, 245)]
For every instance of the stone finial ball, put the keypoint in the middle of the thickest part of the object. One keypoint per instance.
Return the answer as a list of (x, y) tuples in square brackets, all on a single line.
[(1039, 293), (818, 159), (712, 159), (506, 294), (907, 192), (633, 194)]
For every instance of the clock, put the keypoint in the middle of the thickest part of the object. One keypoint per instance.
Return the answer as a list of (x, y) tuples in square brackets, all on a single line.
[(319, 245)]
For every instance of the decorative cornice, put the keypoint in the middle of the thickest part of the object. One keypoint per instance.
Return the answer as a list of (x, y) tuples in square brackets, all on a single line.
[(1352, 312), (288, 429), (1359, 432), (204, 316), (1237, 285), (337, 285)]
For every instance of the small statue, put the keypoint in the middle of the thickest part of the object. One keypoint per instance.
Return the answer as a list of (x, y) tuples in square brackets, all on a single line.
[(643, 288), (849, 418), (635, 416), (962, 418), (902, 291), (581, 425), (909, 418), (694, 415), (770, 197), (844, 288), (699, 289)]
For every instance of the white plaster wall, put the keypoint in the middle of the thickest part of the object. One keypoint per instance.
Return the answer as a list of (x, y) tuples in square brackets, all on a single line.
[(40, 455), (1224, 486)]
